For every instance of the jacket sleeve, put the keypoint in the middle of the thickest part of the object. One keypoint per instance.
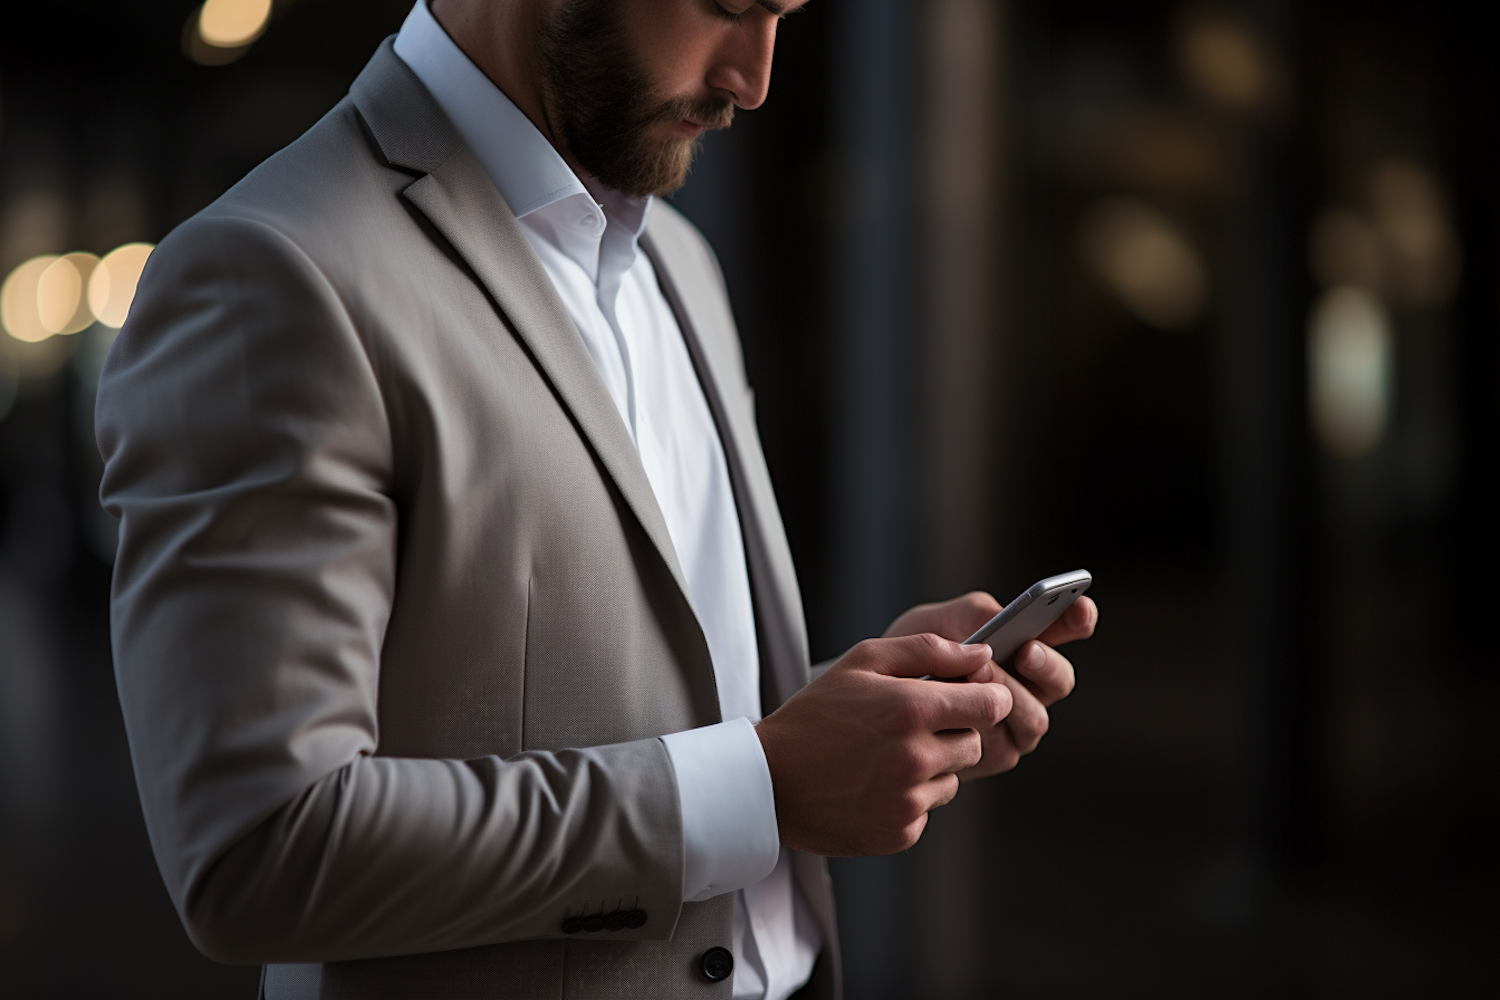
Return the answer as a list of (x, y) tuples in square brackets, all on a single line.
[(248, 457)]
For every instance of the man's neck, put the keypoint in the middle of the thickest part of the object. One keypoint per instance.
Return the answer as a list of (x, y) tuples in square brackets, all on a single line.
[(500, 38)]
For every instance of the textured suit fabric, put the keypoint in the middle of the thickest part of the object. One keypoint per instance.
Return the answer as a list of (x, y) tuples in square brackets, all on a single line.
[(396, 618)]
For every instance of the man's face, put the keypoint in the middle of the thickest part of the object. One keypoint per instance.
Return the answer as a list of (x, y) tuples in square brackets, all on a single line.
[(631, 85)]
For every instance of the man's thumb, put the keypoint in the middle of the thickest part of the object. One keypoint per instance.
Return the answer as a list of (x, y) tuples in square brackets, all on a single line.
[(920, 655)]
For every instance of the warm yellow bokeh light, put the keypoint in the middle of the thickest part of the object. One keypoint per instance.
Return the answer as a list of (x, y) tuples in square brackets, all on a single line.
[(111, 289), (1146, 261), (58, 292), (18, 300), (54, 294), (1413, 222), (230, 24), (1226, 60), (61, 304)]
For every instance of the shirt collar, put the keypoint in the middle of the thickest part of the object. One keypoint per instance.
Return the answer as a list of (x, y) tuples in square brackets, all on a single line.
[(519, 160)]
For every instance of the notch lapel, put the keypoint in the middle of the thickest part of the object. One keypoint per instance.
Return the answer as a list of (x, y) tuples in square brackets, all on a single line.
[(459, 199)]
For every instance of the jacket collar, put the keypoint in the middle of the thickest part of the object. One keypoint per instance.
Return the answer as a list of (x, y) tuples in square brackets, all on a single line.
[(457, 197), (530, 174)]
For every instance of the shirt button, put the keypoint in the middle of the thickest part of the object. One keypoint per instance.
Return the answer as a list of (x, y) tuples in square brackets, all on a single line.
[(589, 222)]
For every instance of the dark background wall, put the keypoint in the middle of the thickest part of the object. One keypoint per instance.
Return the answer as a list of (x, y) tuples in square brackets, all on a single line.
[(1024, 286)]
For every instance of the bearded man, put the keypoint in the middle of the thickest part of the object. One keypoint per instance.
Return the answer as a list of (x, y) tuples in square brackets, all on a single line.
[(456, 632)]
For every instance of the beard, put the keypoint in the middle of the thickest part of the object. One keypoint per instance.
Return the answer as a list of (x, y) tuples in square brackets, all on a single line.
[(602, 106)]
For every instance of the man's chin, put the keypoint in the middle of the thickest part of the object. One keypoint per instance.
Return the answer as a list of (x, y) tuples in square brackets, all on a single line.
[(677, 166), (661, 172)]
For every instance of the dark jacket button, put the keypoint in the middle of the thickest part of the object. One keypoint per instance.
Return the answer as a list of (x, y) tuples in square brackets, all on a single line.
[(572, 925), (594, 923), (635, 919), (716, 964), (614, 921)]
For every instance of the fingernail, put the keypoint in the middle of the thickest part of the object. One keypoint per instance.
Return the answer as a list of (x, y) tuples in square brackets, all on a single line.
[(980, 647), (1034, 658)]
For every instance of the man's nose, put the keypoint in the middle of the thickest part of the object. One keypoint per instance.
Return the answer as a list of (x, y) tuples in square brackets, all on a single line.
[(742, 71)]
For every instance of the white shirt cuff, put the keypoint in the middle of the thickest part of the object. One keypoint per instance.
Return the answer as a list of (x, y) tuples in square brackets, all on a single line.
[(728, 810)]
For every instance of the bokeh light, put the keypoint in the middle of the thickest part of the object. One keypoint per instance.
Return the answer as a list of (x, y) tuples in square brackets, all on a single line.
[(1146, 261), (1349, 371), (111, 289), (64, 294), (19, 297), (59, 290), (231, 24), (1409, 213), (1226, 61), (61, 304)]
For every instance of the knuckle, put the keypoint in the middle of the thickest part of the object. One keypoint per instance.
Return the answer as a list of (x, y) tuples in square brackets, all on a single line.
[(932, 642), (1038, 728), (973, 749), (1028, 732), (1067, 683), (950, 786), (998, 703), (911, 806), (928, 762)]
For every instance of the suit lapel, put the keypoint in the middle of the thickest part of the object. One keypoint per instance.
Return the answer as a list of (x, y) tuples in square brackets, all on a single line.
[(693, 287), (453, 193), (458, 198)]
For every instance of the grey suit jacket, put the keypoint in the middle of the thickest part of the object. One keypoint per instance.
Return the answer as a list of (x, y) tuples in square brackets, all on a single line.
[(396, 617)]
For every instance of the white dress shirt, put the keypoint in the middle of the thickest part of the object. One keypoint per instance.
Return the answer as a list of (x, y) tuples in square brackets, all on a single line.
[(587, 239)]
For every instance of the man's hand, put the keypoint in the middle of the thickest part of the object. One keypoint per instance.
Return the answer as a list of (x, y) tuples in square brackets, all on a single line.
[(1040, 674), (862, 754)]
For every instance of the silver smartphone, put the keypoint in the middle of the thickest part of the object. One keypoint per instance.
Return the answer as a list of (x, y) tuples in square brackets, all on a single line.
[(1028, 616)]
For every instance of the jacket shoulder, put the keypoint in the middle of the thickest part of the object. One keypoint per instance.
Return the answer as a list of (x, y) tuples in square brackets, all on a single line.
[(324, 182)]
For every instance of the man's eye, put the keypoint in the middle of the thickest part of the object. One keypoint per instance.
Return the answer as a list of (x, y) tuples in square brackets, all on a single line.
[(729, 14)]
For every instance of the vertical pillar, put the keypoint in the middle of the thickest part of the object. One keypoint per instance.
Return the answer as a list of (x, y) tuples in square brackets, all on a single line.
[(873, 397), (961, 183), (960, 197), (872, 387), (918, 91), (1262, 389)]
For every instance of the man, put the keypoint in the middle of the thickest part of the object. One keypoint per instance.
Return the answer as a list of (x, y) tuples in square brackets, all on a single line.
[(451, 588)]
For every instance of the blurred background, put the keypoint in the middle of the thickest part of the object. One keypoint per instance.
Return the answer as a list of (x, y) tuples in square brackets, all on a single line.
[(1202, 297)]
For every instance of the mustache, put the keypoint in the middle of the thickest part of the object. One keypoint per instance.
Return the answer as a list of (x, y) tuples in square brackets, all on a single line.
[(713, 114)]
